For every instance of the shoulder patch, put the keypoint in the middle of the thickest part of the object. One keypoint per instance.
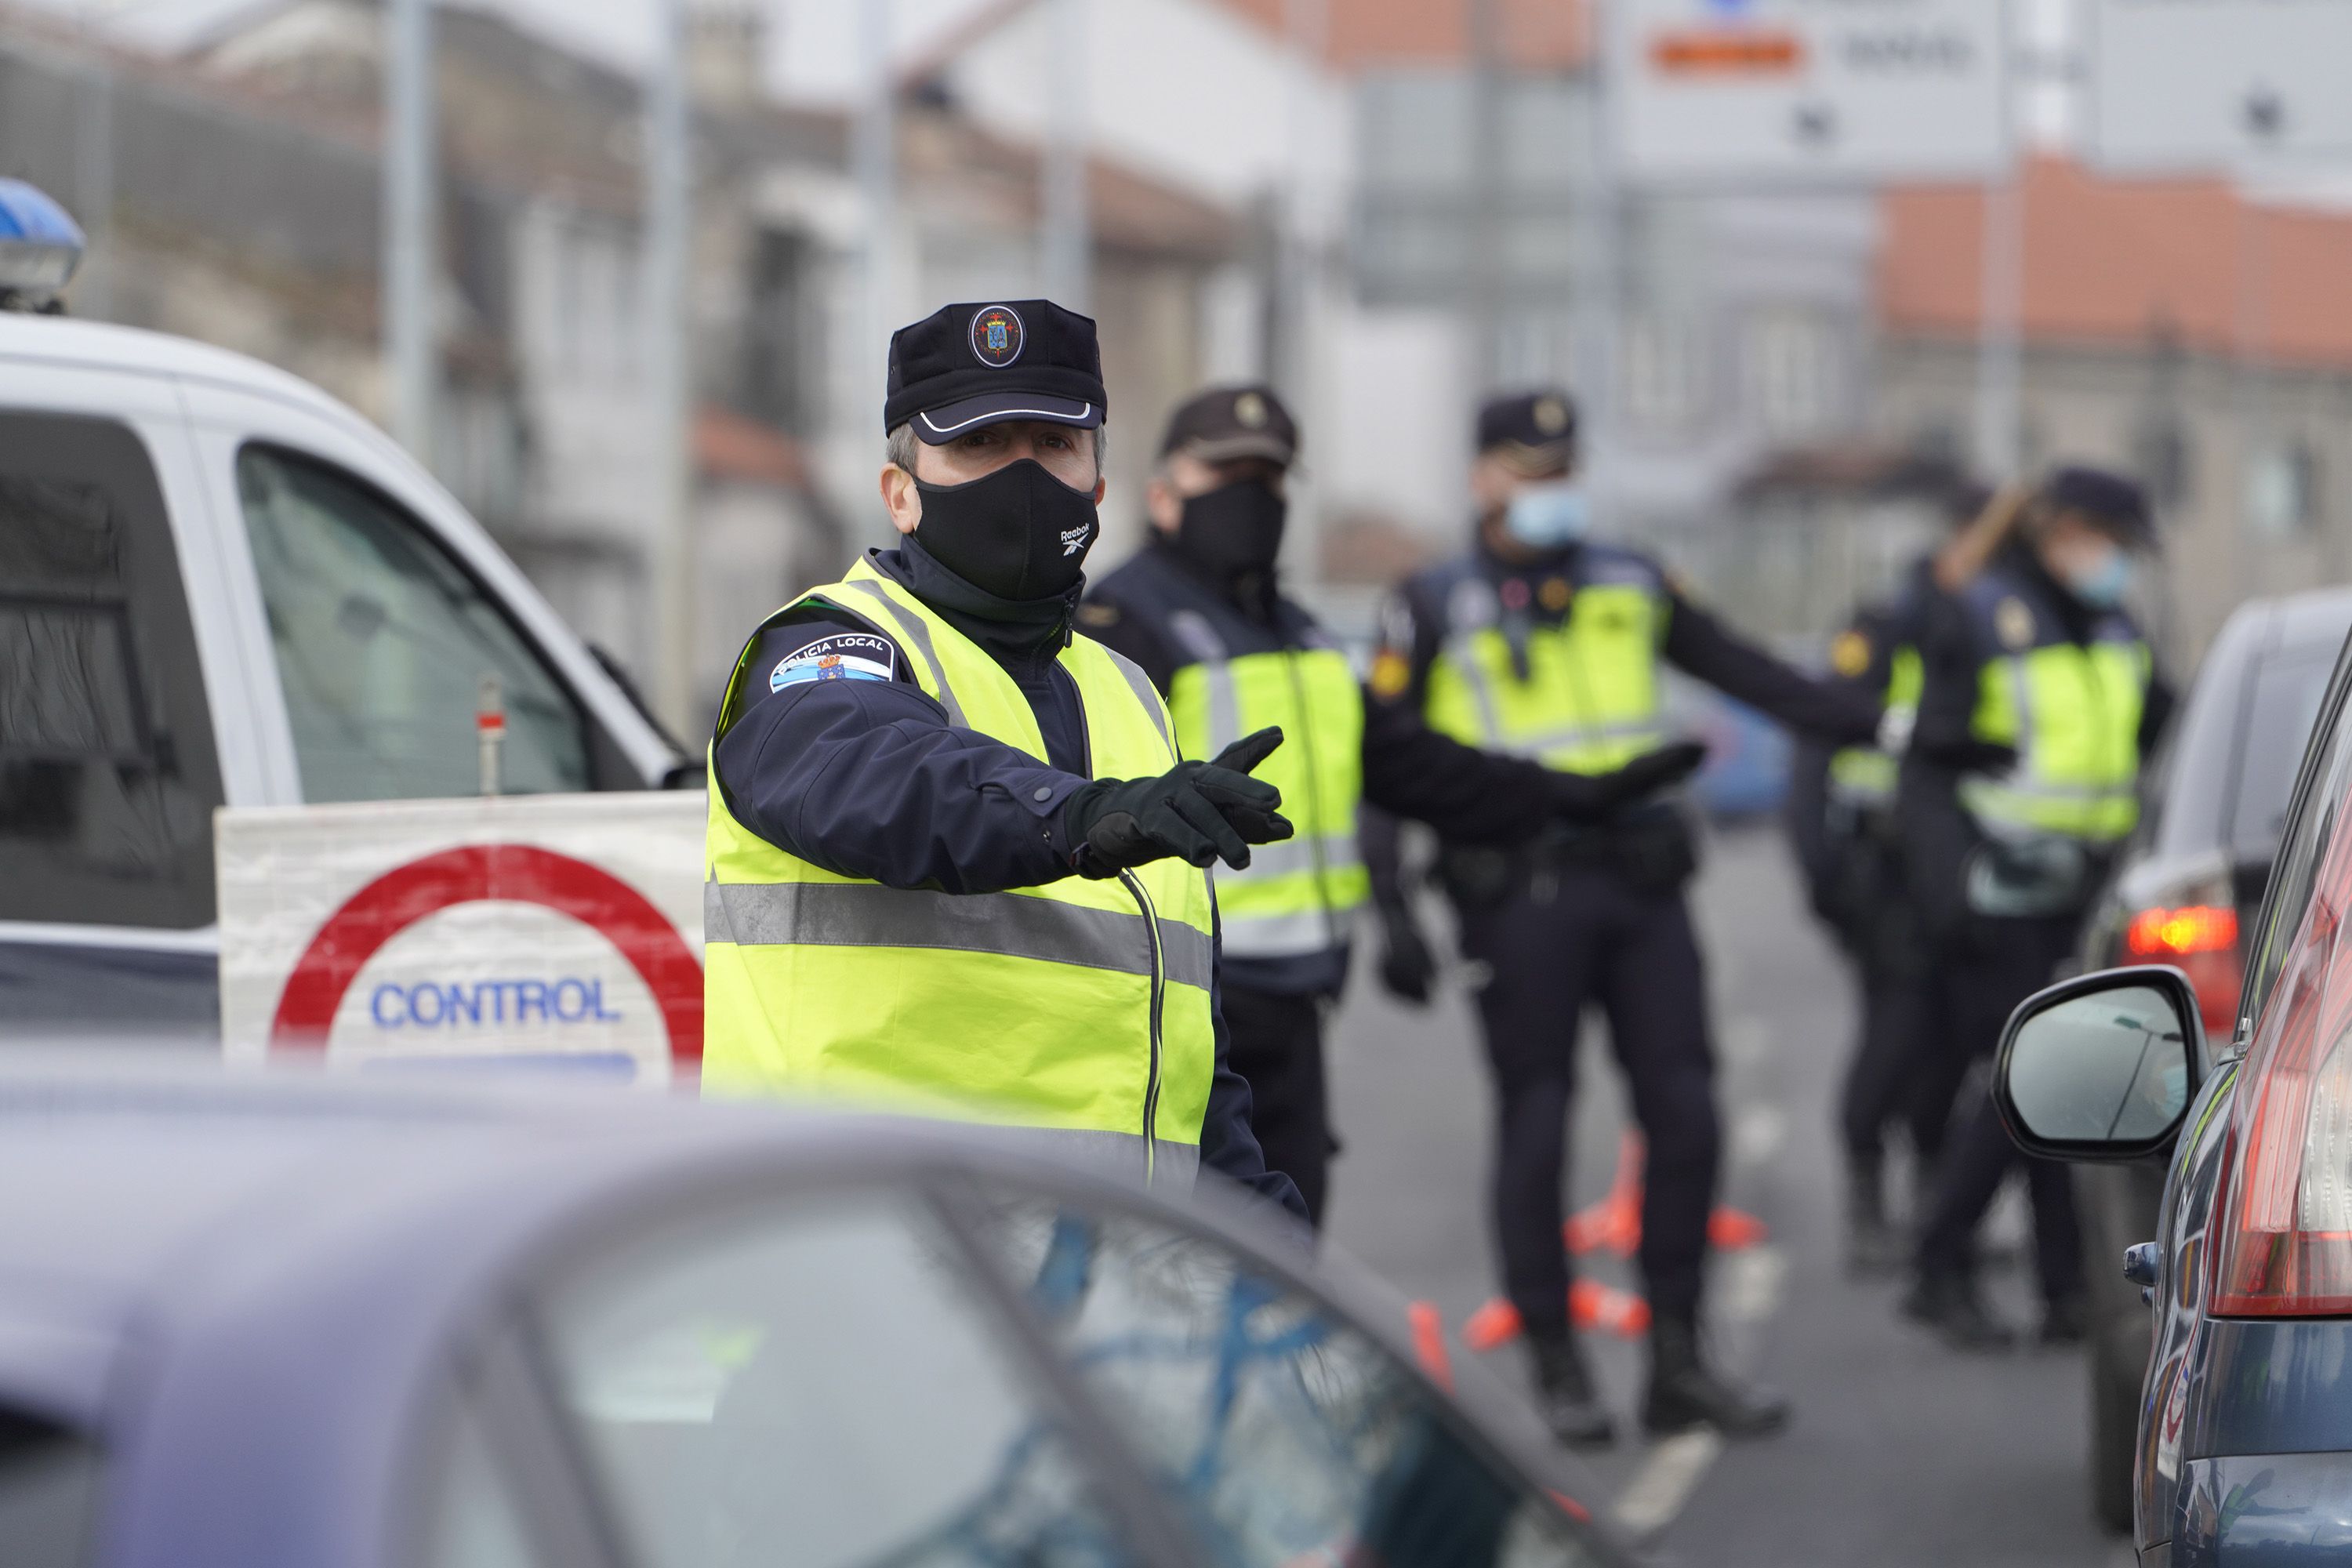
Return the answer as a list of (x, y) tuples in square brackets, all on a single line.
[(1850, 654), (1392, 673), (846, 656)]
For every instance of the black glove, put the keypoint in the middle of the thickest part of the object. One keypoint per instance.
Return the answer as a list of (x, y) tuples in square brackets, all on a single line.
[(1198, 812), (1407, 966), (1588, 797)]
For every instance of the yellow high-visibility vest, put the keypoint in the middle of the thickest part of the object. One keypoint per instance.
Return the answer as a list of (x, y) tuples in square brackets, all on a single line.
[(1297, 896), (1865, 776), (1583, 694), (1081, 1006), (2071, 710)]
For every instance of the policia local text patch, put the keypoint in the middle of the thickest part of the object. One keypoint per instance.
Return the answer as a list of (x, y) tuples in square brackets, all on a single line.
[(850, 656)]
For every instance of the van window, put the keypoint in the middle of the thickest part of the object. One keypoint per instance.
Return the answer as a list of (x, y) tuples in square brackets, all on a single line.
[(108, 771), (383, 642)]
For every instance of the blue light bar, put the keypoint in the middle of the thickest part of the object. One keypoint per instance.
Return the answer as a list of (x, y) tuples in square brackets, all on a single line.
[(40, 246)]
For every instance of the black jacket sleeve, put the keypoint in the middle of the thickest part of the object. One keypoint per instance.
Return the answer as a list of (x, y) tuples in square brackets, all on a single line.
[(1467, 795), (866, 778), (1700, 645)]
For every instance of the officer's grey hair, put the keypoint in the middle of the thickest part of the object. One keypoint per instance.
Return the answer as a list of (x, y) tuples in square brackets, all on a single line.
[(899, 447)]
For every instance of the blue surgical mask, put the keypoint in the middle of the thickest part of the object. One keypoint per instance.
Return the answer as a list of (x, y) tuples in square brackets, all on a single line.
[(1547, 516), (2103, 586)]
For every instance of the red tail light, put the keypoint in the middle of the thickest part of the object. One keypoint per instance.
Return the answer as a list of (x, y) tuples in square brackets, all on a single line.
[(2202, 938), (2284, 1215)]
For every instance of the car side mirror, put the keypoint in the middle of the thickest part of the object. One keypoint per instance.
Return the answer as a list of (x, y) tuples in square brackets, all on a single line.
[(2102, 1067)]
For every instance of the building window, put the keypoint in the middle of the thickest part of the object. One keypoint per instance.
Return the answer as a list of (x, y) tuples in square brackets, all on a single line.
[(1792, 373), (2165, 459), (2283, 489), (1664, 376)]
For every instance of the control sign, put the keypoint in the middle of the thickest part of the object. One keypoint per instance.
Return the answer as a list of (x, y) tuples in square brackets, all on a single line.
[(2205, 86), (550, 933), (1808, 91)]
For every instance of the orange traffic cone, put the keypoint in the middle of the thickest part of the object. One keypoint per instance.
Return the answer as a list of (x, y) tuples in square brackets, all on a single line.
[(1492, 1326), (1604, 1308), (1592, 1306), (1735, 1231), (1614, 1223)]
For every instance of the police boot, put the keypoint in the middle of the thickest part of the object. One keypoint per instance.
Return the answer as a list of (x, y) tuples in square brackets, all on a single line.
[(1946, 1302), (1685, 1393), (1570, 1404), (1871, 1247)]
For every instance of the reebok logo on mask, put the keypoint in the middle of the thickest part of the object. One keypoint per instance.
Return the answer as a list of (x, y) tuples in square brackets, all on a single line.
[(1019, 533)]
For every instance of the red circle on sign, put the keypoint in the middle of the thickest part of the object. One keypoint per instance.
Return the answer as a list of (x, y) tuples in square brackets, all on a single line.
[(508, 873)]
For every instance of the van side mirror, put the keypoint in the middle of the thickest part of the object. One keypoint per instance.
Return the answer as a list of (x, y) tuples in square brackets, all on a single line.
[(2102, 1067)]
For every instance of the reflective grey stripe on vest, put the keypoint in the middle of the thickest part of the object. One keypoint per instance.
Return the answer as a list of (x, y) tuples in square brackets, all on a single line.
[(1014, 925), (1283, 936), (1295, 855), (1482, 690), (1140, 684), (1216, 661), (1119, 1155), (918, 637)]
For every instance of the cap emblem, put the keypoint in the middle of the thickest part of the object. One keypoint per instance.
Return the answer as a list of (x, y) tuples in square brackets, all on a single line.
[(996, 335), (1250, 409), (1551, 416)]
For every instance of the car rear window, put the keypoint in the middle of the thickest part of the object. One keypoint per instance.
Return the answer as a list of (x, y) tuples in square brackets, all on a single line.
[(108, 776), (48, 1493), (2284, 700)]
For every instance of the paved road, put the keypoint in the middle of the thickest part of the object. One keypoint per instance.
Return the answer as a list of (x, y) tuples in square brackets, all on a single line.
[(1902, 1452)]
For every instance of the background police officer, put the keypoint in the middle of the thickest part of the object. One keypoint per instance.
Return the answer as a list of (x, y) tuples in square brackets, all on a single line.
[(2040, 699), (1541, 643), (899, 752), (1199, 609), (1842, 822)]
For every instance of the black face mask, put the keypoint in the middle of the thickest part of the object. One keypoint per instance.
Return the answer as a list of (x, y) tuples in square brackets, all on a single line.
[(1235, 529), (1018, 533)]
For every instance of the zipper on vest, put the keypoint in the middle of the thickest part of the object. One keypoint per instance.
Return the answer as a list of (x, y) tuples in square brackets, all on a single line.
[(1314, 796), (1159, 1005), (1159, 968)]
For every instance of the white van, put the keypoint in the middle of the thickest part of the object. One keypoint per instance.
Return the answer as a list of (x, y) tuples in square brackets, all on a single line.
[(220, 587)]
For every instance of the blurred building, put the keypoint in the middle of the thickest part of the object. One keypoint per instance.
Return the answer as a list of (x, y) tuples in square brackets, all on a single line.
[(234, 194), (2184, 330)]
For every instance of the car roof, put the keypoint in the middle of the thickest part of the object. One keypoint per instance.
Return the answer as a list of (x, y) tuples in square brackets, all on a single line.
[(102, 345), (2318, 615)]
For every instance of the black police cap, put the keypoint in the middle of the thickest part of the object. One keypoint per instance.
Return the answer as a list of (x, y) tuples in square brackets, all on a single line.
[(2109, 499), (1534, 432), (1227, 423), (969, 365)]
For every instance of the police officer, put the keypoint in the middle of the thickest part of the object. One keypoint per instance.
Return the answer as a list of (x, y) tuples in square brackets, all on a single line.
[(955, 864), (1842, 820), (1199, 609), (2040, 699), (1542, 643)]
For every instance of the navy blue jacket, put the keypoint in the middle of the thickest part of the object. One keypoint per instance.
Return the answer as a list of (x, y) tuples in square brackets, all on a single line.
[(1409, 769), (832, 752)]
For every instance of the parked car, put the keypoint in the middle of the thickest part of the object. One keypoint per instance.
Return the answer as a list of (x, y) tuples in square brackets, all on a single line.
[(2190, 880), (410, 1322), (220, 587), (2243, 1448)]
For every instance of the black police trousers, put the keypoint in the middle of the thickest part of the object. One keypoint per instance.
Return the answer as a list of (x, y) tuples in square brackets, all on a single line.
[(1274, 1040), (1895, 1076), (1585, 934), (1994, 966)]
